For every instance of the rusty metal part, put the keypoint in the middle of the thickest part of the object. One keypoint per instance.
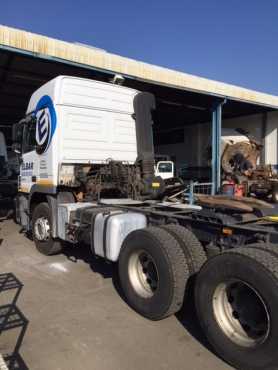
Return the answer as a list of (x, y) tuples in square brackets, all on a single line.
[(239, 163), (240, 157), (115, 179), (217, 201), (242, 204)]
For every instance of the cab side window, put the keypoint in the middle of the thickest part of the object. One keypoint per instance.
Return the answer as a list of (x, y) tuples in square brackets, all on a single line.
[(29, 136)]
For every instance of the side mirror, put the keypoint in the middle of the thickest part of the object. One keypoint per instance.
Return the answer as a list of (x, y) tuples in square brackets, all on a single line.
[(17, 131), (16, 147)]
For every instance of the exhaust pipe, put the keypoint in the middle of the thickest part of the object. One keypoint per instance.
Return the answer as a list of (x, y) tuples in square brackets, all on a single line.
[(144, 104)]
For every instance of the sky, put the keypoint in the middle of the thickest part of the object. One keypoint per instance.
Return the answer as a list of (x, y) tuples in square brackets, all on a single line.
[(231, 41)]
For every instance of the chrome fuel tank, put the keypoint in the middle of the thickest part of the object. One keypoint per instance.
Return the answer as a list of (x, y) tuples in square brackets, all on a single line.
[(111, 228)]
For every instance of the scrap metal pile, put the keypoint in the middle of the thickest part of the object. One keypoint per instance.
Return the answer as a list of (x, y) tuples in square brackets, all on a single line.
[(239, 166)]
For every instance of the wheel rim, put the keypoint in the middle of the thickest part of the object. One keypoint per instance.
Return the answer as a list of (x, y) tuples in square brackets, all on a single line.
[(42, 229), (241, 313), (143, 273)]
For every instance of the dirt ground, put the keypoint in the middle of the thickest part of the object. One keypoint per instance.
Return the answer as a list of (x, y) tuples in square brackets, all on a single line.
[(66, 312)]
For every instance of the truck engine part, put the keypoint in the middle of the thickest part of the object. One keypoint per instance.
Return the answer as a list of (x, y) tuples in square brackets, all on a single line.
[(121, 180)]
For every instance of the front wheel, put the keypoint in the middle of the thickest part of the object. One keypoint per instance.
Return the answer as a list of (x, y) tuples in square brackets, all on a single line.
[(41, 229), (236, 299)]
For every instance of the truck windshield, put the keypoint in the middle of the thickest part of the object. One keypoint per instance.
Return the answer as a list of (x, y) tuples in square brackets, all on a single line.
[(165, 167)]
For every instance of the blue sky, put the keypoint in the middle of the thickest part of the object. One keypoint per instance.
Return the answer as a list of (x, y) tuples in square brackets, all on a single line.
[(232, 41)]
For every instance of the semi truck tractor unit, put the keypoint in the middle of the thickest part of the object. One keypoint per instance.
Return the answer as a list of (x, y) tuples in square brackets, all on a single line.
[(87, 177)]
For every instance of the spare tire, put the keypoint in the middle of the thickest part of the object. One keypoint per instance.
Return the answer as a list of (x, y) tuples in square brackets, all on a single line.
[(153, 272), (236, 299)]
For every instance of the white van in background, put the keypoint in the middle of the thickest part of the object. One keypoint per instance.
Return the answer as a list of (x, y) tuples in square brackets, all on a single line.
[(164, 169)]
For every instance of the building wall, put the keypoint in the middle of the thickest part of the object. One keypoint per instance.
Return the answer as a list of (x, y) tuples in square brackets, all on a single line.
[(253, 124), (271, 139), (192, 152)]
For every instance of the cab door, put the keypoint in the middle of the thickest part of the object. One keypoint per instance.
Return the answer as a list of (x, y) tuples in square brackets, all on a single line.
[(29, 164)]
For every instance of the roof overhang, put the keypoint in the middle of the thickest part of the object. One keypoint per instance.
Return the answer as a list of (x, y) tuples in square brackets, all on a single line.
[(99, 60)]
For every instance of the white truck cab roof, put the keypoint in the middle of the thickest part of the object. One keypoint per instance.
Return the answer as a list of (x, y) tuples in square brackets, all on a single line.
[(84, 121), (77, 91)]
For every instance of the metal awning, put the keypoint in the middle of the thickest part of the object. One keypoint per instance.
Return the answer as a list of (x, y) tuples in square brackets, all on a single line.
[(27, 61)]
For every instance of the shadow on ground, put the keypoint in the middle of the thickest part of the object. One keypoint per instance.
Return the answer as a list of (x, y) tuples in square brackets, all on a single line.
[(187, 316), (97, 265), (6, 209), (13, 320), (6, 212)]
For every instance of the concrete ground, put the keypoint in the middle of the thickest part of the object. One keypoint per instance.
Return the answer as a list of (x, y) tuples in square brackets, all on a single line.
[(66, 312)]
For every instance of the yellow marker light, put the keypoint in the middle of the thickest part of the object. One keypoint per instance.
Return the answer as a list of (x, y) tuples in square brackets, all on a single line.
[(227, 231), (155, 184)]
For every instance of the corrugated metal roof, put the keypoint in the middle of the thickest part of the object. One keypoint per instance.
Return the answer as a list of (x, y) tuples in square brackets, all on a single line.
[(97, 58)]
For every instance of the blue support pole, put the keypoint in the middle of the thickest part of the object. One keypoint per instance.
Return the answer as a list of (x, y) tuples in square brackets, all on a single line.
[(216, 148)]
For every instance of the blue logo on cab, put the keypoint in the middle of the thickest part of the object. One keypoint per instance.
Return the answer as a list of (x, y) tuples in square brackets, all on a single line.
[(46, 122)]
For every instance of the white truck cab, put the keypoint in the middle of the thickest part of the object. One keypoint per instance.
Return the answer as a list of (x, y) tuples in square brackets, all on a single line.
[(164, 169), (74, 121)]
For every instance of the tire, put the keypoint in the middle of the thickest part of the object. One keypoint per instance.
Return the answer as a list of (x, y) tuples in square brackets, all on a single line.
[(236, 299), (192, 248), (153, 272), (46, 245), (270, 248)]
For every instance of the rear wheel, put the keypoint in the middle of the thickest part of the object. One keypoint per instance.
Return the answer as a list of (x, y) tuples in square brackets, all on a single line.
[(236, 299), (192, 248), (153, 272), (41, 229), (268, 247)]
